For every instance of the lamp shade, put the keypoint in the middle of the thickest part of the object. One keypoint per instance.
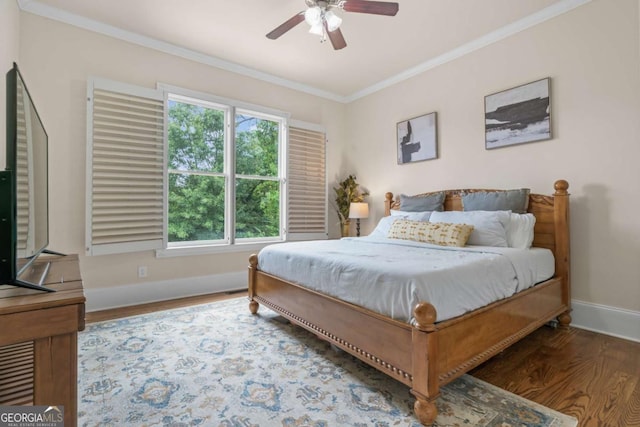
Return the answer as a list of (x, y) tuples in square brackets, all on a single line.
[(313, 16), (359, 210), (317, 30), (333, 21)]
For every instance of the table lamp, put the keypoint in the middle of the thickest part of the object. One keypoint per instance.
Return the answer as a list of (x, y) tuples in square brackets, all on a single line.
[(357, 211)]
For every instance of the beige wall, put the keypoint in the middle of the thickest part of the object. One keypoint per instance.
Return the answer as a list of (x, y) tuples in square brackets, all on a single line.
[(57, 60), (592, 57), (9, 34)]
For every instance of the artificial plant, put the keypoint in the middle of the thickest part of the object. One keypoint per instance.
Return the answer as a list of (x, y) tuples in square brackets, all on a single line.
[(347, 191)]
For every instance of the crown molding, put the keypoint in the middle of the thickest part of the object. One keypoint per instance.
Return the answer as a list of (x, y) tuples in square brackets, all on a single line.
[(37, 8), (486, 40)]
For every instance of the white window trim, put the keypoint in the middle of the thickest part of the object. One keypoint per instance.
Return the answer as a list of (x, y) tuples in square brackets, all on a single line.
[(190, 93), (252, 247)]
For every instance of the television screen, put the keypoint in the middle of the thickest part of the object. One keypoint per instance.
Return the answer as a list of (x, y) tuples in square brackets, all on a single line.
[(24, 216), (31, 170)]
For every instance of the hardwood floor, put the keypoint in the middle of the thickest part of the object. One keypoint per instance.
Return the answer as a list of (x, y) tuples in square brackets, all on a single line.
[(591, 376)]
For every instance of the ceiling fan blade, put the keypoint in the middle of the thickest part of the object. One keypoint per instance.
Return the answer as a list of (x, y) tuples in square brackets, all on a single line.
[(286, 26), (374, 7), (336, 37)]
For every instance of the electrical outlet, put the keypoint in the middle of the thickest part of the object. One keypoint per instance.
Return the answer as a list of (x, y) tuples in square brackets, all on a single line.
[(142, 271)]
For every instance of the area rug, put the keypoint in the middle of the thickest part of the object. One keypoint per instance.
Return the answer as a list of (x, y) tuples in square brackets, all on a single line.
[(218, 365)]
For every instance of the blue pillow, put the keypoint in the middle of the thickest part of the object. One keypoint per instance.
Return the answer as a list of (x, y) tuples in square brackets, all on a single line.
[(516, 201), (431, 202)]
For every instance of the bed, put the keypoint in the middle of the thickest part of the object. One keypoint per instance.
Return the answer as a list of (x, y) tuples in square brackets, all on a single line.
[(427, 353)]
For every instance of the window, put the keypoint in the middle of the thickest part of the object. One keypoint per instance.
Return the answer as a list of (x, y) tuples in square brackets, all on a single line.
[(196, 171), (258, 184), (224, 186), (184, 171)]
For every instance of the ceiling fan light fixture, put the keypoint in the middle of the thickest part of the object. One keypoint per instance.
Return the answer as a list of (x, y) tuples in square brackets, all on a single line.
[(333, 21), (317, 30), (323, 22), (313, 16)]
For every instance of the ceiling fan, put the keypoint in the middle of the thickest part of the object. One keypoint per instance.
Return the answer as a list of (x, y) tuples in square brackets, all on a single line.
[(325, 23)]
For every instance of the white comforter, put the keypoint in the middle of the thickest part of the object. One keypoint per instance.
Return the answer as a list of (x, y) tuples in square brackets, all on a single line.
[(391, 276)]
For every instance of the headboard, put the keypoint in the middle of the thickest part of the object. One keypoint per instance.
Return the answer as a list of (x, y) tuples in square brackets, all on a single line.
[(552, 221)]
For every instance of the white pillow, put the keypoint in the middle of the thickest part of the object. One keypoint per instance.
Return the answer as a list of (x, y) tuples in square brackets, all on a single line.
[(489, 227), (385, 223), (383, 227), (413, 216), (520, 230)]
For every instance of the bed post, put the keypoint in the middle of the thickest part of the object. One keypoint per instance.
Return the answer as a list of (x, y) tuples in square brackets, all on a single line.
[(425, 384), (562, 255), (388, 200), (253, 271)]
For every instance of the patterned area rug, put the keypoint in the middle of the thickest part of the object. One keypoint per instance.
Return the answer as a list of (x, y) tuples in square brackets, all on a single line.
[(218, 365)]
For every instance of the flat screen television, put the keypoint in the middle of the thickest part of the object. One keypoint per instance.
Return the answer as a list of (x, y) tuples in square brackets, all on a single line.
[(24, 211)]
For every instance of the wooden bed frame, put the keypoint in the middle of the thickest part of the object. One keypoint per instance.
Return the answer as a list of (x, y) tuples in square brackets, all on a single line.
[(428, 355)]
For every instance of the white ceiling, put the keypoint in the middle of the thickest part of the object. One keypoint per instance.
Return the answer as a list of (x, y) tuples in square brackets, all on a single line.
[(380, 50)]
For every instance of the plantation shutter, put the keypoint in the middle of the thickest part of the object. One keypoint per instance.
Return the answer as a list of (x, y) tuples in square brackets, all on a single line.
[(307, 184), (125, 158)]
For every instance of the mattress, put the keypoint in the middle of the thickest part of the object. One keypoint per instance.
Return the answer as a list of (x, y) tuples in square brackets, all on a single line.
[(390, 276)]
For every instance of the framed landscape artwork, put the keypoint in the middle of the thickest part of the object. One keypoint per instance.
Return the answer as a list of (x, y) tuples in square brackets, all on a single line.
[(417, 139), (518, 115)]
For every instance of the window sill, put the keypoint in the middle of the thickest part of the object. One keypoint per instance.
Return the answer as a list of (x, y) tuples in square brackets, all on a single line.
[(212, 249)]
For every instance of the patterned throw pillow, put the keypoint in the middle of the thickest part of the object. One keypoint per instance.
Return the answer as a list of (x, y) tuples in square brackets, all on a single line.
[(437, 233)]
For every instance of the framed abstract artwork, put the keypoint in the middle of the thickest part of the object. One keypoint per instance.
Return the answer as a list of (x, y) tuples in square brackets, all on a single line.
[(417, 139), (518, 115)]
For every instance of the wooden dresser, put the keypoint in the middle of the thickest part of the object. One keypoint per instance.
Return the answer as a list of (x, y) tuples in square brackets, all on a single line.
[(39, 339)]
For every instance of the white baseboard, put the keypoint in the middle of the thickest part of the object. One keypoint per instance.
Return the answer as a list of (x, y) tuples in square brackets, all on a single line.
[(604, 319), (147, 292)]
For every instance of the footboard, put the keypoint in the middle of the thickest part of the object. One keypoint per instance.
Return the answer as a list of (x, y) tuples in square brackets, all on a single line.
[(425, 356), (381, 342), (469, 340)]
